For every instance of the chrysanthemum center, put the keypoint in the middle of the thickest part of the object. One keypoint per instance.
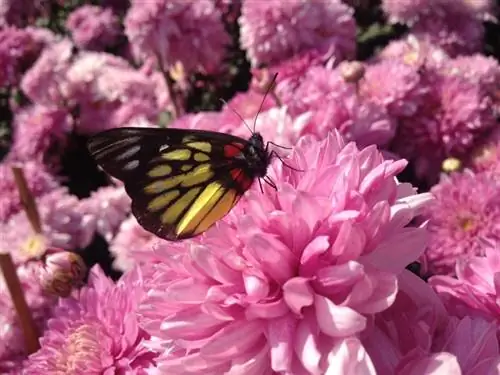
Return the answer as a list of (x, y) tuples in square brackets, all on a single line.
[(466, 223), (34, 246), (82, 351)]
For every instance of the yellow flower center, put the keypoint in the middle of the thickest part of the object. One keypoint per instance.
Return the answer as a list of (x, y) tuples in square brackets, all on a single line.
[(82, 353), (34, 246)]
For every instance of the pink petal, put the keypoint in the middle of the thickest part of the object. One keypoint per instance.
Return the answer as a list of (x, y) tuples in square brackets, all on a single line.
[(349, 357), (297, 294), (280, 334), (318, 246), (233, 339), (436, 364), (337, 321), (306, 346)]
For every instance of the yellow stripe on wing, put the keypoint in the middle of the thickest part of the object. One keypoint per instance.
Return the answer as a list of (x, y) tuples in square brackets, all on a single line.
[(225, 204), (200, 208)]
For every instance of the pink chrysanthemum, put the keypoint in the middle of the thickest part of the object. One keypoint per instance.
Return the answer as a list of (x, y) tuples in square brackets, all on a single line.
[(457, 31), (42, 82), (22, 12), (109, 92), (189, 32), (38, 179), (332, 103), (406, 330), (247, 105), (395, 85), (273, 31), (466, 210), (132, 245), (486, 156), (474, 291), (455, 116), (63, 227), (107, 208), (40, 133), (407, 11), (96, 331), (283, 283), (93, 27), (414, 52), (18, 50)]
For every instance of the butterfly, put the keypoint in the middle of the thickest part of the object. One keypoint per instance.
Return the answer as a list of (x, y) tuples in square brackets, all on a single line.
[(181, 181)]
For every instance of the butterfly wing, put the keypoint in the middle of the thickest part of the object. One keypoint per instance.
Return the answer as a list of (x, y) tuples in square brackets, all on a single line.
[(180, 181)]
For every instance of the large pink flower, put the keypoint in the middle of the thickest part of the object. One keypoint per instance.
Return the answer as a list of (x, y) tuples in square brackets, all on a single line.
[(273, 31), (287, 280), (96, 331)]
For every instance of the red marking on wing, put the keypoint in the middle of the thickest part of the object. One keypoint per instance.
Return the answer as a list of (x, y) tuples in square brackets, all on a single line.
[(241, 178), (232, 149)]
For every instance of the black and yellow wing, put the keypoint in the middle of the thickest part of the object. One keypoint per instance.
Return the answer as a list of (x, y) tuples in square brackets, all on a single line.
[(180, 181)]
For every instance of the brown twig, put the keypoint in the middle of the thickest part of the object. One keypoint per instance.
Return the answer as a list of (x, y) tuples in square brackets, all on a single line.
[(27, 199), (28, 326)]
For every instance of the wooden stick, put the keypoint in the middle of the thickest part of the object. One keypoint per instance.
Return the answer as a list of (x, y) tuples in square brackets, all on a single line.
[(27, 199), (28, 326)]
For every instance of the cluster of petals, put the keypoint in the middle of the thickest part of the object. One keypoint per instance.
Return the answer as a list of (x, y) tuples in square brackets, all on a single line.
[(273, 31), (289, 278)]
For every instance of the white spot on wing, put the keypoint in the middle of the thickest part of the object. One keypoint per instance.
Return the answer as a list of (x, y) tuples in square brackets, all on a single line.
[(131, 165), (130, 152)]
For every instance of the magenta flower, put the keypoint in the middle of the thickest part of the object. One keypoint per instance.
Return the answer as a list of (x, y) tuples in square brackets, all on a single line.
[(455, 116), (21, 12), (286, 281), (395, 85), (132, 245), (273, 31), (18, 49), (474, 291), (189, 32), (95, 331), (40, 133), (93, 27), (39, 181), (407, 11), (465, 212), (42, 82)]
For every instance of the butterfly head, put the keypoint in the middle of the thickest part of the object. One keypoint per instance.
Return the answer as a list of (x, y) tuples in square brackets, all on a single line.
[(257, 155)]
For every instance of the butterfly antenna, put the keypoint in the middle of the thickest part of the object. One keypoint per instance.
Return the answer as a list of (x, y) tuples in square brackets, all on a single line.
[(280, 146), (260, 184), (237, 114), (273, 81)]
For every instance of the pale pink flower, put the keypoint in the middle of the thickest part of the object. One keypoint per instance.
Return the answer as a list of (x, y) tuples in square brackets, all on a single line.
[(189, 32), (95, 331), (333, 103), (40, 133), (63, 227), (106, 208), (42, 82), (273, 31), (395, 85), (286, 281), (474, 291), (400, 341), (465, 212), (456, 115), (132, 245), (93, 27), (38, 179)]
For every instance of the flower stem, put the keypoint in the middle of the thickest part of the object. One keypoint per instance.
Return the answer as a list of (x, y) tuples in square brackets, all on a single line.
[(23, 312), (27, 200), (169, 82)]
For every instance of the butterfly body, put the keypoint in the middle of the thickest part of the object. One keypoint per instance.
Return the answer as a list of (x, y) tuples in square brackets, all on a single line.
[(180, 181)]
